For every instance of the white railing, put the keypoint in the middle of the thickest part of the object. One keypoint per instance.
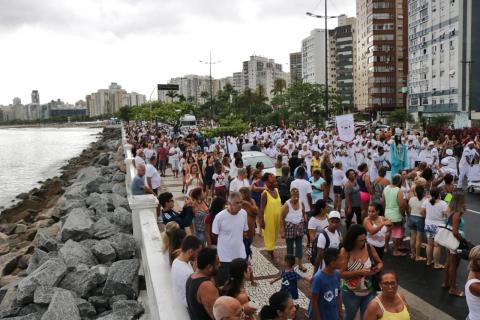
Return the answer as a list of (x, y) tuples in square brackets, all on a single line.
[(161, 302)]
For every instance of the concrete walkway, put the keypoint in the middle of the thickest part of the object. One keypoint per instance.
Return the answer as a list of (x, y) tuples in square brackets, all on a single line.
[(264, 270)]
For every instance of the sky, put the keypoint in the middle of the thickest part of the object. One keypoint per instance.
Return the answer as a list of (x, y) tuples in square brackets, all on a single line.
[(67, 49)]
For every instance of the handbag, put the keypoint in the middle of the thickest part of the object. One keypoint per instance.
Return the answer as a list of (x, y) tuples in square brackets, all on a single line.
[(445, 237), (463, 250)]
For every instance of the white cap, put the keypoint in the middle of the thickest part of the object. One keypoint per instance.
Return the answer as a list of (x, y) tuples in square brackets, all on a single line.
[(449, 152), (470, 142), (334, 214), (444, 162), (431, 143)]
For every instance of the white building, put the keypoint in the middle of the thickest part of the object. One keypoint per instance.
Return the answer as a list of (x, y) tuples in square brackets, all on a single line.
[(191, 87), (262, 72), (109, 101), (442, 36), (313, 57)]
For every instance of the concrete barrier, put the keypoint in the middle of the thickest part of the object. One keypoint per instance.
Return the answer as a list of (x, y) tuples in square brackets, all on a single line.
[(161, 302)]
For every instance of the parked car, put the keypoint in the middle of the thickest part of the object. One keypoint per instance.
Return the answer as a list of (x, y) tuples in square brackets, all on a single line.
[(251, 158)]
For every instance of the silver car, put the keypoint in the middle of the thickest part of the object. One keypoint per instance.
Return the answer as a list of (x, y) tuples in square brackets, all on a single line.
[(251, 158)]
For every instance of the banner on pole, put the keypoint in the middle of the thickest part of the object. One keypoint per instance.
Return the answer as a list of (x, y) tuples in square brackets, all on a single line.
[(345, 127)]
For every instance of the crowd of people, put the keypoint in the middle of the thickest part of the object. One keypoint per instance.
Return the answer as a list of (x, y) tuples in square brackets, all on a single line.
[(334, 204)]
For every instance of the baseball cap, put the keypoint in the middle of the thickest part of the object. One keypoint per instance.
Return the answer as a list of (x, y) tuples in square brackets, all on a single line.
[(449, 152), (334, 214)]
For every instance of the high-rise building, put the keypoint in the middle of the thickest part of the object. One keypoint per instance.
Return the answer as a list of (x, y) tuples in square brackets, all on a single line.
[(192, 87), (442, 37), (238, 82), (295, 67), (109, 101), (381, 63), (261, 72), (313, 57)]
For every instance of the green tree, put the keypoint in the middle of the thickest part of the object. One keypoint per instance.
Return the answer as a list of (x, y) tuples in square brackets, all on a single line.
[(279, 86), (171, 94), (399, 118), (440, 122), (204, 95), (125, 113)]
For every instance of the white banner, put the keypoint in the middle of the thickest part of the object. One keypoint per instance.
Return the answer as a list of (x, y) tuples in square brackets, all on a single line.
[(345, 127)]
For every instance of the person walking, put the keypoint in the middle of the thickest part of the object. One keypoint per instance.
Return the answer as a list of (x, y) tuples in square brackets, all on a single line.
[(229, 225), (360, 262), (270, 209), (435, 211), (416, 222), (353, 202), (395, 207), (389, 304), (292, 226)]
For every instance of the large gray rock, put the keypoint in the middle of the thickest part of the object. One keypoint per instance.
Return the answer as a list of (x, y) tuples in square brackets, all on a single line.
[(119, 177), (48, 274), (104, 252), (45, 242), (63, 306), (9, 301), (119, 188), (69, 205), (94, 186), (32, 309), (31, 316), (8, 262), (103, 229), (38, 258), (86, 309), (80, 282), (95, 198), (103, 160), (127, 308), (122, 279), (124, 245), (78, 225), (43, 295), (88, 174), (101, 273), (123, 219), (119, 201), (73, 253), (106, 187), (75, 192)]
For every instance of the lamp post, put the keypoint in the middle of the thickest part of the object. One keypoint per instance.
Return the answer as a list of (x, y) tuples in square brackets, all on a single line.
[(326, 17), (209, 62)]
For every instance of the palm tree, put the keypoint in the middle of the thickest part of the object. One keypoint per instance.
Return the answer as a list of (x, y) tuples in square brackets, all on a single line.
[(279, 85), (171, 94), (204, 95)]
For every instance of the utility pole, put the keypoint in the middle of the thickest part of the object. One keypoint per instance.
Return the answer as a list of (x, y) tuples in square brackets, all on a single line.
[(209, 62), (326, 51), (469, 63)]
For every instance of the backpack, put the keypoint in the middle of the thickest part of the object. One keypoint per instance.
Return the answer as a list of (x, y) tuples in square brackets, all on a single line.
[(314, 249)]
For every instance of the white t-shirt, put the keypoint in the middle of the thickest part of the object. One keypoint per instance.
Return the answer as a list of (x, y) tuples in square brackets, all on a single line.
[(415, 206), (236, 184), (175, 153), (230, 229), (334, 242), (304, 187), (139, 161), (435, 214), (151, 172), (338, 176), (148, 153), (294, 216), (219, 180), (317, 225), (181, 271)]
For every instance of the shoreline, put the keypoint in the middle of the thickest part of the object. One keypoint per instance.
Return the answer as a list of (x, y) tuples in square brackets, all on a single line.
[(58, 125), (28, 204)]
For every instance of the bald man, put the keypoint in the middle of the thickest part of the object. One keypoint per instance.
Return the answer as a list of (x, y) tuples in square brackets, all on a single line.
[(227, 307), (138, 186)]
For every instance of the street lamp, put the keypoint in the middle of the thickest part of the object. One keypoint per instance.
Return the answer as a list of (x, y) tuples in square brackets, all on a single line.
[(326, 17), (209, 62)]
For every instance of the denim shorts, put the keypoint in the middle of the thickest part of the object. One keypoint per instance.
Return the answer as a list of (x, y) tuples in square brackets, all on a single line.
[(416, 223), (431, 230), (337, 189)]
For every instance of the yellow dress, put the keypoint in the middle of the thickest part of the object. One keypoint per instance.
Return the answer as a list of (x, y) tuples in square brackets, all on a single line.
[(272, 220)]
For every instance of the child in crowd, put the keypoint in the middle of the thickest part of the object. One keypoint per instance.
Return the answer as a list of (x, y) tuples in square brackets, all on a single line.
[(290, 277)]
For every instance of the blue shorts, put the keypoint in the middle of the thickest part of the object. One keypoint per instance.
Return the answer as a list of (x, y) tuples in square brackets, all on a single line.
[(431, 230), (416, 223)]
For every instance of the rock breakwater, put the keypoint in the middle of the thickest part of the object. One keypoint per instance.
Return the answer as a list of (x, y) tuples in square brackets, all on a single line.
[(67, 250)]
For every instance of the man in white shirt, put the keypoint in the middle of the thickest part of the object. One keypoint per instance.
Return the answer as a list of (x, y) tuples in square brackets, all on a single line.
[(468, 156), (451, 161), (174, 154), (139, 159), (304, 187), (230, 225), (149, 152), (182, 267), (152, 176)]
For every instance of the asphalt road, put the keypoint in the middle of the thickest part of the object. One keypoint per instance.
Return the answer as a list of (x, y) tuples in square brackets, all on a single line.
[(425, 282)]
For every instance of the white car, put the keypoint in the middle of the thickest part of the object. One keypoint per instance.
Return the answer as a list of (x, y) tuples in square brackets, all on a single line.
[(251, 158)]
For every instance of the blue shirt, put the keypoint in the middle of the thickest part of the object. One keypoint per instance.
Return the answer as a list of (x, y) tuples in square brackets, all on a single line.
[(289, 283), (328, 288), (138, 186), (317, 194)]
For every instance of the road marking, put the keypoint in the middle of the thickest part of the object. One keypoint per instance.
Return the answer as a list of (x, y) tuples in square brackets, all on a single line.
[(477, 212)]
